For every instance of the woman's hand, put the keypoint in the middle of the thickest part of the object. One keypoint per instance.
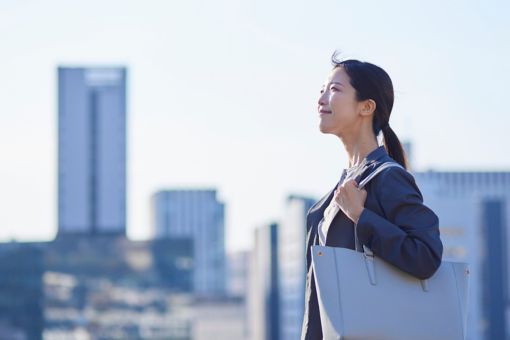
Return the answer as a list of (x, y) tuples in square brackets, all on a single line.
[(350, 199)]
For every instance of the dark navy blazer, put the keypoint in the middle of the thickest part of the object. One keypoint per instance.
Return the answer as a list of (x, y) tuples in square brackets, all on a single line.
[(395, 225)]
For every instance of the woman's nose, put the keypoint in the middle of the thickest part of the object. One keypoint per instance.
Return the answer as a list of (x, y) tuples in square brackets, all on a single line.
[(322, 99)]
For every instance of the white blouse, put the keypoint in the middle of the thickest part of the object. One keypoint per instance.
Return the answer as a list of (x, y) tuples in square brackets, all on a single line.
[(332, 209)]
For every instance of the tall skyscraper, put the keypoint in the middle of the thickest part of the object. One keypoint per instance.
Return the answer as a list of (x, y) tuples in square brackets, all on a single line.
[(199, 215), (91, 150), (473, 210), (263, 300), (292, 266)]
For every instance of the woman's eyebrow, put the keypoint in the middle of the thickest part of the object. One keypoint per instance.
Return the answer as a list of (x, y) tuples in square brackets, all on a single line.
[(333, 82), (336, 82)]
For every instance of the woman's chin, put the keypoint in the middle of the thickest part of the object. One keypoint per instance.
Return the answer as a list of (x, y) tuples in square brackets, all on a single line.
[(323, 128)]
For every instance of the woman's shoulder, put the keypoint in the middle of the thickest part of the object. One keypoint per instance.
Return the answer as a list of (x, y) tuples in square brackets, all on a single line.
[(390, 175)]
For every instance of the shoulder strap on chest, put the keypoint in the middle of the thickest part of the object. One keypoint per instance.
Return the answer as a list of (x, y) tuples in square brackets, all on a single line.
[(377, 171)]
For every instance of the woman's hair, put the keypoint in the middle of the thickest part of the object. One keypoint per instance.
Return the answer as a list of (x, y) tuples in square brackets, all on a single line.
[(372, 82)]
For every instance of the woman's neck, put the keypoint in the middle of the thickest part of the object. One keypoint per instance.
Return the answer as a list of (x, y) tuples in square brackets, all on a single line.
[(359, 146)]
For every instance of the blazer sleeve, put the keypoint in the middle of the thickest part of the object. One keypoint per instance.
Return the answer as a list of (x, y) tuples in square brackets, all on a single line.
[(408, 235)]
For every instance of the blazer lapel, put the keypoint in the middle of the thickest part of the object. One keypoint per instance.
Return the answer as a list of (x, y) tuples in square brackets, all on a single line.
[(315, 215)]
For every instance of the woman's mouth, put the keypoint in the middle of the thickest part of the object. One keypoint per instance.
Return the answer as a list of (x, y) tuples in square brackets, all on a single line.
[(324, 112)]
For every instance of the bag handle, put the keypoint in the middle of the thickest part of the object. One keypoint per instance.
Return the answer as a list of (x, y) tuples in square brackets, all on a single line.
[(361, 185)]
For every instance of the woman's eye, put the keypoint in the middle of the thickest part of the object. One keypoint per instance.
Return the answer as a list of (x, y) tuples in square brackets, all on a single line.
[(333, 89)]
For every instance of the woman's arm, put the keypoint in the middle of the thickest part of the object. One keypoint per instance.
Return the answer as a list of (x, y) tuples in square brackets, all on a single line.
[(408, 235)]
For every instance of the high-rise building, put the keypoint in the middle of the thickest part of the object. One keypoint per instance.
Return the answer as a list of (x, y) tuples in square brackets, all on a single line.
[(91, 150), (263, 300), (473, 210), (199, 215), (292, 265)]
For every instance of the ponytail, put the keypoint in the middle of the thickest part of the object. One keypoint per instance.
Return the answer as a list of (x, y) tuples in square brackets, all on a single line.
[(393, 146)]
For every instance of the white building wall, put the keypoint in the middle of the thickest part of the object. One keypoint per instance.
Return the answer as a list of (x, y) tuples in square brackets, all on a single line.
[(457, 199), (292, 266)]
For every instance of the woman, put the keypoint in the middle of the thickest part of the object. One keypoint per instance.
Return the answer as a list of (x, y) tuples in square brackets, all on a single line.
[(388, 214)]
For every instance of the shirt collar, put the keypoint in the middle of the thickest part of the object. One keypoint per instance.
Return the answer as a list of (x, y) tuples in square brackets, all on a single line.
[(376, 154), (372, 156)]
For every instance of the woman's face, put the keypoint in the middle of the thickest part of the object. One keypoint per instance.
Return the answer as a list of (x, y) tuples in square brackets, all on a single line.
[(337, 106)]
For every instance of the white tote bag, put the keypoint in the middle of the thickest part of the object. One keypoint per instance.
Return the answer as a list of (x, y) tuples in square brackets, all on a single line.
[(362, 296)]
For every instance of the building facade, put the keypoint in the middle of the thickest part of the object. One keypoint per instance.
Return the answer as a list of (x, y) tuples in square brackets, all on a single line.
[(199, 215), (292, 265), (473, 210), (237, 273), (91, 150), (263, 299)]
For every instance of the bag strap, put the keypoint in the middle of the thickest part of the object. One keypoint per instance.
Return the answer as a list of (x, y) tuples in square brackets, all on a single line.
[(369, 255), (361, 185), (377, 171)]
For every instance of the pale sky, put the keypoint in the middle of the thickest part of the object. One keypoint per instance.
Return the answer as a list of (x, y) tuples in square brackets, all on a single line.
[(224, 94)]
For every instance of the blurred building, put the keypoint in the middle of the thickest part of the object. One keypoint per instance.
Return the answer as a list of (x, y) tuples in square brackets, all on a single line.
[(163, 263), (92, 150), (21, 291), (473, 210), (263, 299), (100, 287), (292, 266), (408, 150), (173, 261), (237, 273), (199, 215), (219, 318), (101, 308)]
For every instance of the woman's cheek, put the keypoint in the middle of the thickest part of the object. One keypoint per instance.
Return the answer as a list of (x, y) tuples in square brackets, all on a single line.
[(334, 105), (331, 97)]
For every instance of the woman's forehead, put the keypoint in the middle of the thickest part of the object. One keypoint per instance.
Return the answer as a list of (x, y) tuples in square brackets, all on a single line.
[(337, 75)]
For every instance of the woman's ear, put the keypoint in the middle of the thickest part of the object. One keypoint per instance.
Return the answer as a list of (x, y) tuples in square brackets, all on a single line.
[(368, 107)]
